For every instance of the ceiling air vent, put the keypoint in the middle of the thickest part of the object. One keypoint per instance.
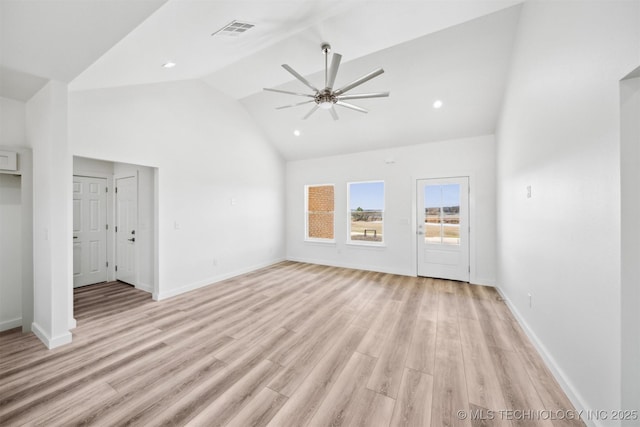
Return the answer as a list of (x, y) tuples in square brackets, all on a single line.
[(234, 29)]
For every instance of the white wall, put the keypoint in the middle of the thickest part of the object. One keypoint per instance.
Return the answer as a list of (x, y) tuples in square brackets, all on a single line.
[(92, 167), (630, 227), (208, 152), (559, 133), (12, 124), (46, 131), (474, 157)]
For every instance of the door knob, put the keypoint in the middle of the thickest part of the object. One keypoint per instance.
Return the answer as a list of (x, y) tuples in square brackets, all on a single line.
[(133, 239)]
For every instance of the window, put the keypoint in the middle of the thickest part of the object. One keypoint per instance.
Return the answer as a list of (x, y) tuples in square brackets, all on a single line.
[(366, 212), (319, 200), (442, 214)]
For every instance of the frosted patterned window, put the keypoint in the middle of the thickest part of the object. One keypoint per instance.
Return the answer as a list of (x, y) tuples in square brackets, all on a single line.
[(319, 213)]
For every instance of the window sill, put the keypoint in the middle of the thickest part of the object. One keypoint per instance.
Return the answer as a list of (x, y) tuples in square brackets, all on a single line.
[(367, 245), (321, 242)]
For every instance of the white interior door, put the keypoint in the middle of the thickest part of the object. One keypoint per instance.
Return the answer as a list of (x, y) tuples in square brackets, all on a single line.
[(443, 228), (89, 230), (126, 226)]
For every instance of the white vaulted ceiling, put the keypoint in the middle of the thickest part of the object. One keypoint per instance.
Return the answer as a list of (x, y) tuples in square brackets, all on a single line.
[(464, 66), (457, 51), (58, 39)]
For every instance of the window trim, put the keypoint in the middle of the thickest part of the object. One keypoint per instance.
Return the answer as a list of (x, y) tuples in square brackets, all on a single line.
[(306, 215), (381, 243)]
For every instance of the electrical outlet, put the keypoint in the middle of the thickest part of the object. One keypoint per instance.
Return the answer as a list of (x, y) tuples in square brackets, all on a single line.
[(530, 300), (528, 191)]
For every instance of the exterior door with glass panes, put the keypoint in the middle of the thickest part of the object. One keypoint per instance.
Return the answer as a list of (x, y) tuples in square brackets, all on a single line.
[(443, 228)]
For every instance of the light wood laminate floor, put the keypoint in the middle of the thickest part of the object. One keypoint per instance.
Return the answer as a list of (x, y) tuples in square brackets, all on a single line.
[(289, 345)]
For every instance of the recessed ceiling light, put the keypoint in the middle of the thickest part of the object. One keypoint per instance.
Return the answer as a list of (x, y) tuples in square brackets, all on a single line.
[(296, 132), (437, 103), (169, 64)]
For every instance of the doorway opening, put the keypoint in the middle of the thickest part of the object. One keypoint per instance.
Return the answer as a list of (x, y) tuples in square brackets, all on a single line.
[(16, 238), (10, 251), (443, 228), (114, 224)]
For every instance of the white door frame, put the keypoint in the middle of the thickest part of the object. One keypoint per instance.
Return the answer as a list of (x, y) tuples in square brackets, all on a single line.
[(472, 219)]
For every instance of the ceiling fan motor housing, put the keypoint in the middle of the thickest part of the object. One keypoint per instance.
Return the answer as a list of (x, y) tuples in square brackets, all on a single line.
[(325, 98)]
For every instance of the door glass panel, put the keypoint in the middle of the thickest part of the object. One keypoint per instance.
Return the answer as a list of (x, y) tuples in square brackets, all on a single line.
[(442, 214)]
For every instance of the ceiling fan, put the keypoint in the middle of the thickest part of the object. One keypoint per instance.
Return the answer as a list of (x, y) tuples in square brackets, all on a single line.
[(328, 97)]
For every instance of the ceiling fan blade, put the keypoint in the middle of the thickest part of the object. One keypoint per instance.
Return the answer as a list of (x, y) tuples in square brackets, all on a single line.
[(359, 81), (334, 113), (363, 96), (351, 106), (299, 77), (289, 93), (313, 110), (333, 70), (294, 105)]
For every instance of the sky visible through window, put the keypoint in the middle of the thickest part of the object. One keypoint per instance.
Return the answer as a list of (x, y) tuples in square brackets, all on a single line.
[(366, 195), (450, 196)]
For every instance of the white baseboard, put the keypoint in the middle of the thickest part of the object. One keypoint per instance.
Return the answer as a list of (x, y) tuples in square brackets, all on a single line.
[(474, 280), (48, 341), (354, 266), (145, 287), (212, 280), (5, 325), (483, 282), (562, 379)]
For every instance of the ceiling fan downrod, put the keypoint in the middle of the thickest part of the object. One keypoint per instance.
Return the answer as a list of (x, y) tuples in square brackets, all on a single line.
[(326, 48)]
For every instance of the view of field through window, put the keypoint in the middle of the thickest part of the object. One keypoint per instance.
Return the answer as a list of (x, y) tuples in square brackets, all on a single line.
[(366, 211), (442, 214)]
